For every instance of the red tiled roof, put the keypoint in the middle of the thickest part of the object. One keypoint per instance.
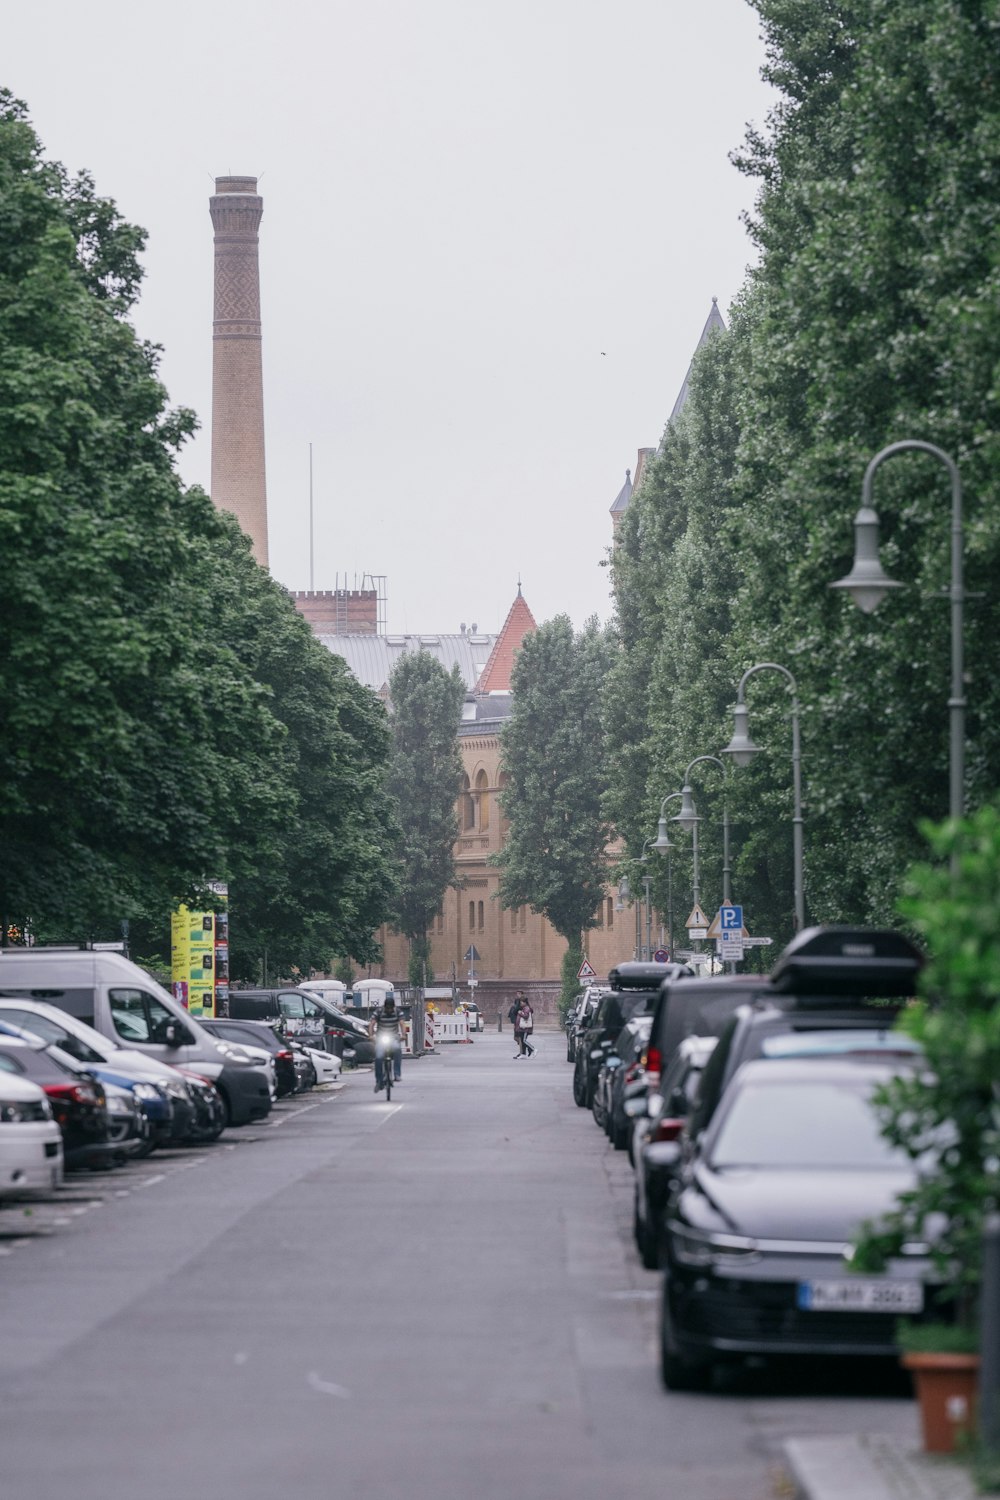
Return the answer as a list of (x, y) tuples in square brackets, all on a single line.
[(496, 673)]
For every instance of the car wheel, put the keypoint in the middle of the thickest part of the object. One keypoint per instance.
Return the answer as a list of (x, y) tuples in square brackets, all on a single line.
[(579, 1090), (645, 1237), (679, 1372), (597, 1108), (619, 1136)]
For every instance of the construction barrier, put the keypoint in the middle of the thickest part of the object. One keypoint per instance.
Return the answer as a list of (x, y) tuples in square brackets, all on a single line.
[(429, 1020), (451, 1028)]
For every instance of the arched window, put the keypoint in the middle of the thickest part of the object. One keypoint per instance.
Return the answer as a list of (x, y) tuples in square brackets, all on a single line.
[(481, 916), (513, 919), (483, 799), (468, 813), (611, 912), (472, 915)]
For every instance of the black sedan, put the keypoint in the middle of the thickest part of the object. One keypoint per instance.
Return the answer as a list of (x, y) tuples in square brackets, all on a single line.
[(758, 1232), (261, 1034)]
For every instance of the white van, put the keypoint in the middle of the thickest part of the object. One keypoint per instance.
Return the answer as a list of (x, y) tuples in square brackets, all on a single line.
[(126, 1005)]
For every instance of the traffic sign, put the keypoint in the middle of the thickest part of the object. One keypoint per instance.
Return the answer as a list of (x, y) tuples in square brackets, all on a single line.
[(471, 955), (585, 971), (731, 918), (716, 929), (697, 933), (757, 942), (697, 918), (730, 945), (661, 956)]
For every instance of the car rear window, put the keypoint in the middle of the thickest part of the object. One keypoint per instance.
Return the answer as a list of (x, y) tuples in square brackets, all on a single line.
[(805, 1124)]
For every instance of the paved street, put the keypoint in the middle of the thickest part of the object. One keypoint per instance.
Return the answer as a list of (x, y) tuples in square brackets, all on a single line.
[(433, 1298)]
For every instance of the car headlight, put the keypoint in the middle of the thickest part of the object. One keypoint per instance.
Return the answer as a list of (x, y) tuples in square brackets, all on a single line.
[(145, 1091), (694, 1247), (177, 1088), (117, 1103), (19, 1112)]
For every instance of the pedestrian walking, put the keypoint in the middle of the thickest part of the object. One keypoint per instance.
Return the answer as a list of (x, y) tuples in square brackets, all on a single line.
[(524, 1025)]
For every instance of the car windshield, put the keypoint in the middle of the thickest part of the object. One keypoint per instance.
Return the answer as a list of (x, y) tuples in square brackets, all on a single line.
[(819, 1125)]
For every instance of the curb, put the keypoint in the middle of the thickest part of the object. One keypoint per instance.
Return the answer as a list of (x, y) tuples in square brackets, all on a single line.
[(872, 1467)]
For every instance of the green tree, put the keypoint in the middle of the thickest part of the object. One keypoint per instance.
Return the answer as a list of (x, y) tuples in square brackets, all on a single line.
[(553, 751), (945, 1115), (134, 748), (425, 780)]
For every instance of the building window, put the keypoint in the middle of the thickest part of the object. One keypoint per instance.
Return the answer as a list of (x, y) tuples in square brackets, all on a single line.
[(481, 919), (468, 814), (611, 912), (524, 918), (513, 919), (472, 915), (483, 800), (600, 915)]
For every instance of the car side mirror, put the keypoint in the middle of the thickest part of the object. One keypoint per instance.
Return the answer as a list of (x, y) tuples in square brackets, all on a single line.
[(176, 1034)]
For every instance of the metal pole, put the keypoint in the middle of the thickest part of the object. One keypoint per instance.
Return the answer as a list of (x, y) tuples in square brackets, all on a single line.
[(694, 860), (989, 1343), (648, 953), (800, 903), (670, 906), (312, 578), (957, 700)]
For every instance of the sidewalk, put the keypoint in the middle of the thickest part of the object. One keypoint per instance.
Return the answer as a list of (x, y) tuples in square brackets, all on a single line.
[(873, 1467)]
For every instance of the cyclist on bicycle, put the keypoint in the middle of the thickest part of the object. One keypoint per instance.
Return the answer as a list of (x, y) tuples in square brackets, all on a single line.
[(386, 1027)]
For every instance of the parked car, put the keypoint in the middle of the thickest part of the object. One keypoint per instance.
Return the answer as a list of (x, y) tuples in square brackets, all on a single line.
[(328, 1066), (173, 1122), (757, 1235), (313, 1018), (634, 989), (656, 1129), (31, 1152), (699, 1006), (260, 1034), (209, 1110), (583, 1010), (129, 1008), (631, 1047), (78, 1101)]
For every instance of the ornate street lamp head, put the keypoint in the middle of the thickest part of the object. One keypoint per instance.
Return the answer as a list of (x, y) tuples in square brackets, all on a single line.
[(662, 843), (741, 747), (867, 582), (688, 816)]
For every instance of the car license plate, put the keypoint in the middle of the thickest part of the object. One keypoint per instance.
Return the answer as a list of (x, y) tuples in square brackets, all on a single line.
[(857, 1295)]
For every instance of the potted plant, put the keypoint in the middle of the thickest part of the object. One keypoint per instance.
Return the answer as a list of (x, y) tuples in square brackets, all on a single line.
[(947, 1116)]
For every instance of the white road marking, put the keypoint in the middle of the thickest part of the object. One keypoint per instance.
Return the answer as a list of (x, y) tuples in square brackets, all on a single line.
[(327, 1387)]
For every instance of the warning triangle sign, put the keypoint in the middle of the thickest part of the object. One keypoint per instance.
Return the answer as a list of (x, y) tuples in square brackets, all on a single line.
[(697, 918), (585, 971)]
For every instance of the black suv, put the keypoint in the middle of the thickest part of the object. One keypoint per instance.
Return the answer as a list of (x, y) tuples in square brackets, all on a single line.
[(635, 989)]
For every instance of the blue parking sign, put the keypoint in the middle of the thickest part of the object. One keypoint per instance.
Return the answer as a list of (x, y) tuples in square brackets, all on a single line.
[(731, 918)]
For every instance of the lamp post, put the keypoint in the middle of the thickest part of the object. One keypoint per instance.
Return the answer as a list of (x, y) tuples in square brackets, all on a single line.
[(742, 748), (687, 809), (662, 845), (868, 585)]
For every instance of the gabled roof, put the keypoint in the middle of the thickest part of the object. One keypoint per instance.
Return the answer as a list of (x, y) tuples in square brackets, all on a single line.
[(371, 658), (714, 323), (623, 496), (519, 623)]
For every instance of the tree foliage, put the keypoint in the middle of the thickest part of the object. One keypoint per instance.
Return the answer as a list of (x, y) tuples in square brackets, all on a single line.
[(425, 780), (872, 315), (552, 750), (165, 717)]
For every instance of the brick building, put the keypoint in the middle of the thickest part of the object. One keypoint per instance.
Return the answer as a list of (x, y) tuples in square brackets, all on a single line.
[(517, 949)]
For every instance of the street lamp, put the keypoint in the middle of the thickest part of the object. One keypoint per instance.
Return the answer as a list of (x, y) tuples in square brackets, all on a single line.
[(742, 749), (688, 818), (868, 585), (662, 845), (625, 894)]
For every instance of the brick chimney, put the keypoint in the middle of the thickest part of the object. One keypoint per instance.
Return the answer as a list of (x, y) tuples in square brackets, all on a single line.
[(238, 482)]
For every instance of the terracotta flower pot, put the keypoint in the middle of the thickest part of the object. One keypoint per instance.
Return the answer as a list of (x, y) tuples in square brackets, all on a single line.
[(947, 1387)]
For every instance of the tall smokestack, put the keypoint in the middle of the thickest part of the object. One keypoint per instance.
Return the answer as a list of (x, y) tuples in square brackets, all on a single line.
[(238, 482)]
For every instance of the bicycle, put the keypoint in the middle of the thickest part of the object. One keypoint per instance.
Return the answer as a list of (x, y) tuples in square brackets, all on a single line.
[(388, 1064)]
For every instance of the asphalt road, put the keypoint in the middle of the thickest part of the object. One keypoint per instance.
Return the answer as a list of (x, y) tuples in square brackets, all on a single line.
[(434, 1299)]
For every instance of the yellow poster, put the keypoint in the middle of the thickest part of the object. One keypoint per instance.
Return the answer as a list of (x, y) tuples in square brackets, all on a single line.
[(192, 960)]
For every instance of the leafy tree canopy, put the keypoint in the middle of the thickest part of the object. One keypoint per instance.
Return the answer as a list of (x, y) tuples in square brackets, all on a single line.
[(553, 752)]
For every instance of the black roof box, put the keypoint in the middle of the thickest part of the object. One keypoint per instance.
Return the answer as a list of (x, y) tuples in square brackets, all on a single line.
[(848, 961), (634, 975)]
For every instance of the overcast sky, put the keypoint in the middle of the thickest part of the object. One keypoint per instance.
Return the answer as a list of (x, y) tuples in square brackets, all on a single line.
[(492, 232)]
